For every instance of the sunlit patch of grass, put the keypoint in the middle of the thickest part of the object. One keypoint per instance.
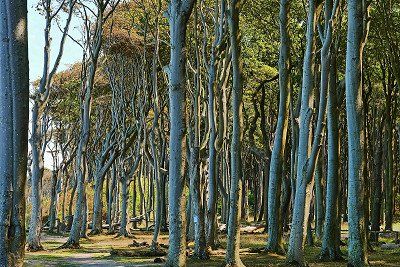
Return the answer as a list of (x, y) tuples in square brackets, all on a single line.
[(99, 248)]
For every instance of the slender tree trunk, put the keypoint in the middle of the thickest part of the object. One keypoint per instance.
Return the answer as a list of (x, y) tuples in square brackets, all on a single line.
[(319, 195), (178, 15), (53, 201), (233, 236), (97, 222), (357, 250), (377, 186), (36, 141), (388, 181), (124, 210), (111, 198), (200, 251), (84, 219), (278, 152), (306, 155), (330, 250), (71, 201)]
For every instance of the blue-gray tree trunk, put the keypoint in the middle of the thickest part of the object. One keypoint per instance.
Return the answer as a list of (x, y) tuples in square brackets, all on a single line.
[(356, 33)]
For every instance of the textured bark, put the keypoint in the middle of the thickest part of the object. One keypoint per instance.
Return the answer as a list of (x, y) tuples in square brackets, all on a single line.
[(306, 155), (14, 114), (376, 193), (278, 152), (53, 200), (330, 250), (356, 34), (124, 210), (319, 196), (232, 257), (178, 15), (200, 251), (388, 178), (212, 157)]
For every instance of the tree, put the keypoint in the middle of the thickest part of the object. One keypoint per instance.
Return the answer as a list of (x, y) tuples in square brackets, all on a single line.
[(40, 98), (14, 87), (233, 235), (92, 46), (278, 152), (356, 38), (178, 15)]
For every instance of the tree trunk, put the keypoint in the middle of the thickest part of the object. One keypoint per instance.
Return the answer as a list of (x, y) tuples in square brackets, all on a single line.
[(377, 186), (97, 221), (14, 116), (35, 224), (53, 201), (124, 210), (233, 235), (200, 251), (330, 250), (355, 43), (306, 155), (178, 15), (319, 196), (278, 152)]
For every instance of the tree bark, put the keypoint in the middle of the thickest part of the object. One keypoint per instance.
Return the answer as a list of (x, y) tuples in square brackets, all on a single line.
[(178, 15), (233, 235), (14, 115), (278, 152), (356, 37)]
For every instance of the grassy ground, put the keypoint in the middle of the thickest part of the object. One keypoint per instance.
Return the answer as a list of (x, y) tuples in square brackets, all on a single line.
[(95, 251)]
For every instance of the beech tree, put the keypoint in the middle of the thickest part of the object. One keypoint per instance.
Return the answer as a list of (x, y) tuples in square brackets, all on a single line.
[(178, 14), (14, 114), (356, 37)]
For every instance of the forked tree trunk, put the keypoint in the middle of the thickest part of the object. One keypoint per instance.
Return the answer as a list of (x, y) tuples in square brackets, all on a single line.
[(304, 182)]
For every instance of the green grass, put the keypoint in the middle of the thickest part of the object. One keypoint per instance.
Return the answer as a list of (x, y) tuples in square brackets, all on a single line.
[(98, 248)]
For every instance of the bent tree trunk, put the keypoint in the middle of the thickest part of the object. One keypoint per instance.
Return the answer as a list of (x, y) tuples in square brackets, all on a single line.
[(233, 236), (357, 251), (178, 15), (278, 152)]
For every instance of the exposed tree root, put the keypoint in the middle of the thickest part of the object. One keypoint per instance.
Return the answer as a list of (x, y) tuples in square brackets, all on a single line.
[(70, 245), (138, 244), (34, 248), (330, 256), (94, 232), (203, 255)]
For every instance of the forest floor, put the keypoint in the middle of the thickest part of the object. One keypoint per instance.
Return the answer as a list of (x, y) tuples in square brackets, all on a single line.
[(96, 251)]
